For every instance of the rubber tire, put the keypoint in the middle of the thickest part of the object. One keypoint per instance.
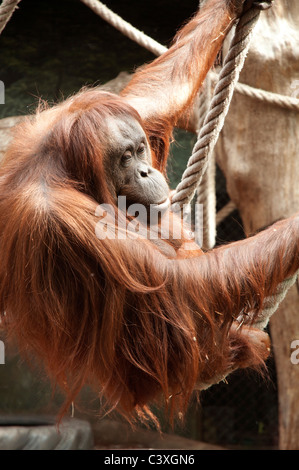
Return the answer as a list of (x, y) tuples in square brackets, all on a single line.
[(42, 433)]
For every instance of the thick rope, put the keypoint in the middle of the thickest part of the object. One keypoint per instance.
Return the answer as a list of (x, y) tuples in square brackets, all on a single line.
[(269, 97), (7, 8), (225, 211), (219, 106), (271, 304), (124, 27), (205, 208), (286, 102)]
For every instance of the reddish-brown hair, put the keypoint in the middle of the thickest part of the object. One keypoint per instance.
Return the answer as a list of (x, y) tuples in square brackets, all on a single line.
[(137, 320), (118, 314)]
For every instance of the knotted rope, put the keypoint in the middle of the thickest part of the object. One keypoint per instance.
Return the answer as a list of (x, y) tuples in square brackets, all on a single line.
[(7, 8)]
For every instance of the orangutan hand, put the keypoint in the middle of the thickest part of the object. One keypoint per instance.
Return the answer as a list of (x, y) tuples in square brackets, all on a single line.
[(258, 4)]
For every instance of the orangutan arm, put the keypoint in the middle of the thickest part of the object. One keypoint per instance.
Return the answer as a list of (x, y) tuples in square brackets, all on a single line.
[(165, 88), (237, 278)]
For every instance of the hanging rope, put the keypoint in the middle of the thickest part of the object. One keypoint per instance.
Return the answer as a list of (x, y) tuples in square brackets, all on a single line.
[(7, 8), (271, 304), (124, 27), (225, 211), (205, 208), (275, 99), (219, 106)]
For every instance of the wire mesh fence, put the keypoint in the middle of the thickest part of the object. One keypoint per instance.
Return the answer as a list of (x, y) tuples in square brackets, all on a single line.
[(242, 412)]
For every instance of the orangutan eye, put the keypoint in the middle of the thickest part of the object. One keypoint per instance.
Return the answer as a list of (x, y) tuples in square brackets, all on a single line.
[(126, 158), (141, 149)]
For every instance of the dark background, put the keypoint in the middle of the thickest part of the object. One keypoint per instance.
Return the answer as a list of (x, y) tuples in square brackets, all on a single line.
[(52, 48), (49, 50)]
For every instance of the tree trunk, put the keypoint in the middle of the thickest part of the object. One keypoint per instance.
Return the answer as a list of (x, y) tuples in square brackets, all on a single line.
[(258, 153), (284, 329)]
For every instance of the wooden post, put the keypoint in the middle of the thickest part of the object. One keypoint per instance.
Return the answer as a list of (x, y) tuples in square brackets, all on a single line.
[(258, 153)]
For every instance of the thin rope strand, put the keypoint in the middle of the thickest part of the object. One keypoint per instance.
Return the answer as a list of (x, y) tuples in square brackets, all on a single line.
[(7, 8), (124, 27)]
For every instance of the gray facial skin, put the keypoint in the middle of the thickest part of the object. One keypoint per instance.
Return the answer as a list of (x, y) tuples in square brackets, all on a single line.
[(128, 165)]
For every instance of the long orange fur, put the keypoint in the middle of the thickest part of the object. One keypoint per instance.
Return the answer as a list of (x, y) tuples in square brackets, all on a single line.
[(126, 317)]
